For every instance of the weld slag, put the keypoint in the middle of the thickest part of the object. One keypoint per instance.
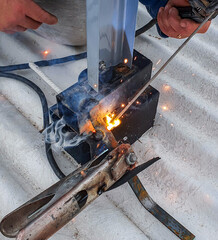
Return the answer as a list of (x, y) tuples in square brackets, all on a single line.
[(59, 136)]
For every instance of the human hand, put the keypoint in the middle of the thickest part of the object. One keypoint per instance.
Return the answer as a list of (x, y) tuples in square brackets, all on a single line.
[(20, 15), (173, 25)]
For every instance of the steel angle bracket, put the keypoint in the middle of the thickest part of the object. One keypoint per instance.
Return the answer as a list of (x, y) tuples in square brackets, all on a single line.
[(148, 203)]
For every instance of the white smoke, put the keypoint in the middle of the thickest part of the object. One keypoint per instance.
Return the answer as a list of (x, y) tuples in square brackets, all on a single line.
[(57, 135)]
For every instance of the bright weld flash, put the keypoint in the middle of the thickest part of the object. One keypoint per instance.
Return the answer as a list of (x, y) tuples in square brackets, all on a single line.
[(111, 125), (166, 87), (83, 173), (158, 61), (125, 60), (45, 53), (165, 108)]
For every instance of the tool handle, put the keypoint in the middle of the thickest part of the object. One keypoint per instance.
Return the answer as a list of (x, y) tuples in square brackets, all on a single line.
[(195, 14), (188, 12)]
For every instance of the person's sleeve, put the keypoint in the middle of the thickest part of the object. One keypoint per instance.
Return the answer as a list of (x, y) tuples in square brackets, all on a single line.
[(153, 7)]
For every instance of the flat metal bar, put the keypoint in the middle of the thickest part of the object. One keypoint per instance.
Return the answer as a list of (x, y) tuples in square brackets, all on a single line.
[(158, 212)]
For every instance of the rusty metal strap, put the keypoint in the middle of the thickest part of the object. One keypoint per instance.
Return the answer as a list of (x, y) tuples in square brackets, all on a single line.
[(166, 219)]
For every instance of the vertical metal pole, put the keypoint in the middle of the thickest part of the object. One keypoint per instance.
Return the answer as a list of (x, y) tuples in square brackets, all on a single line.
[(110, 34)]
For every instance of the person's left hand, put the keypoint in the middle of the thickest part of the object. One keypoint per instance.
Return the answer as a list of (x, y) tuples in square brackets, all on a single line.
[(173, 25)]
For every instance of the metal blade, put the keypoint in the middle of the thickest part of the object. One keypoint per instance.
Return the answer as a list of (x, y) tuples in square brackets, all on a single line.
[(158, 212), (133, 173)]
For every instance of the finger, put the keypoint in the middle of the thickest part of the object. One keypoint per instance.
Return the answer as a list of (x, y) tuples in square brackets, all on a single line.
[(38, 14), (9, 32), (169, 31), (161, 20), (30, 23), (165, 15), (175, 20), (17, 29)]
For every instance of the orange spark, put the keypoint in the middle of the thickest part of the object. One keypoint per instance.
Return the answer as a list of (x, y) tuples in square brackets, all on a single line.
[(165, 108), (167, 87), (83, 173), (45, 53), (158, 61), (111, 125), (125, 60)]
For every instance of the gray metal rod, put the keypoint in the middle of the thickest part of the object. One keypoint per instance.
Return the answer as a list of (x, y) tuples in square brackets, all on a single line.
[(162, 68)]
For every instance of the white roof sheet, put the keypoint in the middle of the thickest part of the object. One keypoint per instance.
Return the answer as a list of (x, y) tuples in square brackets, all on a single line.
[(185, 136)]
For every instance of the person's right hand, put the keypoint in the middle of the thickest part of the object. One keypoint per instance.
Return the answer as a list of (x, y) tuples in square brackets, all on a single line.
[(20, 15), (172, 25)]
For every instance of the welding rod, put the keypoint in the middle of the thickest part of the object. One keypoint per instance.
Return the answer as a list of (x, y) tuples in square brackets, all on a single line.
[(162, 68)]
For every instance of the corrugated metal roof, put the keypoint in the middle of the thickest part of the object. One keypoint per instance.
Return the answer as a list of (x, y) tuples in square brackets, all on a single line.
[(185, 136)]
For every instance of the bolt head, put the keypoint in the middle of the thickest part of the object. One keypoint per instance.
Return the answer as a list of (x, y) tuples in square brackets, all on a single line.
[(102, 65), (131, 159), (98, 135)]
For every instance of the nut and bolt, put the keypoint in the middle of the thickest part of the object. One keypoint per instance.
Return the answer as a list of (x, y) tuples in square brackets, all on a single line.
[(131, 159), (102, 189), (98, 135), (102, 65)]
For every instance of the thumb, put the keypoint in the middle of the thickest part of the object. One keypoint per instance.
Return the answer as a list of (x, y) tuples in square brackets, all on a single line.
[(191, 25), (38, 14)]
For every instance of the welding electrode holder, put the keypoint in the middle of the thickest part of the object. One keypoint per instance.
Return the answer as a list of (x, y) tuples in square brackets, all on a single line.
[(46, 213), (199, 10)]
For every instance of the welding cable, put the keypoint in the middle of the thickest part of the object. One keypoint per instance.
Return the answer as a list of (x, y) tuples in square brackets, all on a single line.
[(44, 63), (44, 103), (45, 78), (146, 27), (52, 62), (56, 61)]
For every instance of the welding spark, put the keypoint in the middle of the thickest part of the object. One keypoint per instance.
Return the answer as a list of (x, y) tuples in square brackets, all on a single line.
[(83, 173), (166, 87), (158, 61), (111, 125), (165, 108), (122, 105), (125, 60), (45, 53)]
